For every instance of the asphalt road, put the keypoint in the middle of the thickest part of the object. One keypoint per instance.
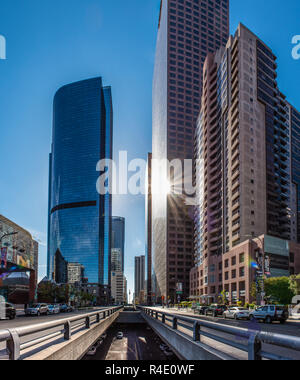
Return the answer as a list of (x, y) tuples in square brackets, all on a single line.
[(291, 328), (139, 343)]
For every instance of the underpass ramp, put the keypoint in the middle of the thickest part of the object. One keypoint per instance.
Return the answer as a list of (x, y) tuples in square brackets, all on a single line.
[(129, 317)]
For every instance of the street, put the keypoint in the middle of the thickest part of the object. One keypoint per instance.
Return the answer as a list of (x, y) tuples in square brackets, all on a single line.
[(139, 343)]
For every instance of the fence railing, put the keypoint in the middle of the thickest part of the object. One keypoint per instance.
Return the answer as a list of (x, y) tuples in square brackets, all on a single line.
[(253, 338), (62, 328)]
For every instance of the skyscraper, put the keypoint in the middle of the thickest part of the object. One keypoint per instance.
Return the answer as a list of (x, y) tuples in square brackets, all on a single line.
[(188, 30), (79, 217), (116, 259), (118, 236), (139, 275), (148, 212), (244, 155), (294, 117)]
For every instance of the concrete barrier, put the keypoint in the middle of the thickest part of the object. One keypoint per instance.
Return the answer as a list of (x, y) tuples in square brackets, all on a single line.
[(182, 345), (79, 344)]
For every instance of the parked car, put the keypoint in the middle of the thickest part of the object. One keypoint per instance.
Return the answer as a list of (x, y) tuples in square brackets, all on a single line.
[(201, 310), (237, 313), (163, 347), (99, 342), (8, 311), (120, 335), (169, 353), (104, 336), (64, 308), (270, 313), (92, 351), (53, 309), (215, 310), (37, 309)]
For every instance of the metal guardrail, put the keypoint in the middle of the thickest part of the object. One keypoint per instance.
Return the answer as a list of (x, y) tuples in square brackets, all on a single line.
[(255, 339), (65, 328)]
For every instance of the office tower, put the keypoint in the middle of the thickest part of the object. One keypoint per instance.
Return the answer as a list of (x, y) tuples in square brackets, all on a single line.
[(148, 213), (295, 173), (125, 291), (188, 31), (116, 260), (79, 217), (18, 257), (117, 287), (75, 273), (118, 236), (139, 276), (243, 173)]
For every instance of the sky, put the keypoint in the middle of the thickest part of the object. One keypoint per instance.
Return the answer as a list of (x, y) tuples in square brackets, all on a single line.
[(54, 42)]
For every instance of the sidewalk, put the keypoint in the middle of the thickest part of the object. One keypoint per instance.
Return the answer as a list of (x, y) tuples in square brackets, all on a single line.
[(190, 313)]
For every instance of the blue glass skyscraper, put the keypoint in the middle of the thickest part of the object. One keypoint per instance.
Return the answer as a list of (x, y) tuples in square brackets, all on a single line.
[(79, 228), (118, 236)]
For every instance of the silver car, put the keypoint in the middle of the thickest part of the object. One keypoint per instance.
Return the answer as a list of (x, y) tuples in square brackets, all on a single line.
[(37, 309), (53, 309), (237, 313)]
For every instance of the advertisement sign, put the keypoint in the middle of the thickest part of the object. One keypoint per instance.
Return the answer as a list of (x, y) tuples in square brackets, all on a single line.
[(179, 288), (277, 246), (3, 263), (267, 266)]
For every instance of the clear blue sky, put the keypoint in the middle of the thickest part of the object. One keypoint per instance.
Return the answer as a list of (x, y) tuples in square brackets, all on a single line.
[(54, 42)]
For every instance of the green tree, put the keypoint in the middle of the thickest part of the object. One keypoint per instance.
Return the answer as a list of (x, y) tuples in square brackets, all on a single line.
[(253, 291), (278, 290), (295, 284)]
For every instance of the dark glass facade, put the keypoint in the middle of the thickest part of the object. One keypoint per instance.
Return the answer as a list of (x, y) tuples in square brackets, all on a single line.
[(118, 236), (80, 218)]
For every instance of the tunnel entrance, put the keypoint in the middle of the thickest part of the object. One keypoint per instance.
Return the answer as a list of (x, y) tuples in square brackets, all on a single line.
[(138, 341)]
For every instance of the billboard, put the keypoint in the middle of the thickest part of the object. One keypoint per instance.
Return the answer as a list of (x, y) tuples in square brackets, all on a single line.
[(179, 288), (276, 246), (3, 262)]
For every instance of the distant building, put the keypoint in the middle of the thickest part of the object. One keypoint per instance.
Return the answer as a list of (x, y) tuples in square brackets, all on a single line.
[(117, 287), (139, 275), (75, 273), (19, 255), (125, 291), (118, 237), (116, 260)]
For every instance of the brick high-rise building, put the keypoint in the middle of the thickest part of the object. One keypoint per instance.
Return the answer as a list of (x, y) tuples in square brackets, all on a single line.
[(188, 31), (246, 161)]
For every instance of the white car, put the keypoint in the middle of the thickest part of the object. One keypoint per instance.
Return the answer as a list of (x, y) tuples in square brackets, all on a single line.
[(237, 313), (53, 309), (92, 351), (120, 335), (37, 309), (168, 353)]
